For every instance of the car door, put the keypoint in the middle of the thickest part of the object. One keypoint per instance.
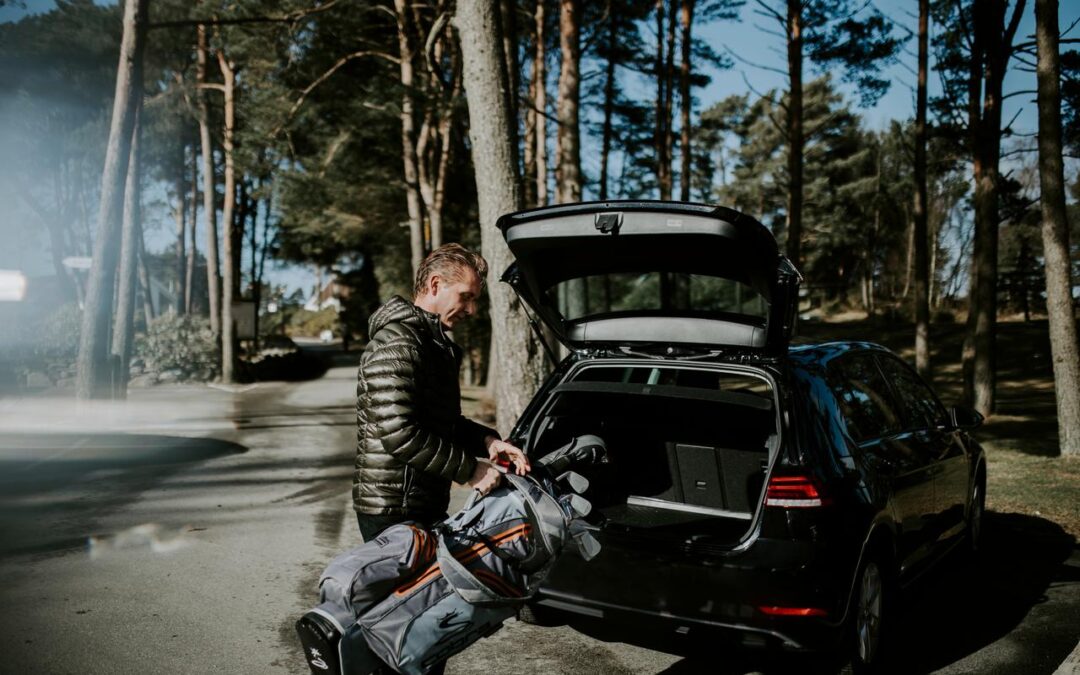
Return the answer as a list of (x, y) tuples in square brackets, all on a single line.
[(927, 421), (890, 454)]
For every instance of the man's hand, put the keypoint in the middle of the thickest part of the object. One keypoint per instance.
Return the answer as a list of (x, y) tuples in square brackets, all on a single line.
[(501, 450), (485, 478)]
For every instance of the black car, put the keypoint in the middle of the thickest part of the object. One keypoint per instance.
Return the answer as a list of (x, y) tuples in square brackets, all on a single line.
[(758, 492)]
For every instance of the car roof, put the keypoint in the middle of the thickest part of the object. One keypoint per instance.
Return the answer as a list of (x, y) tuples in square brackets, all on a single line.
[(822, 352)]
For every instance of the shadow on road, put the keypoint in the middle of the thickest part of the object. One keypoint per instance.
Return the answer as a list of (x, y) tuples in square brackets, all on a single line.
[(69, 479), (962, 607)]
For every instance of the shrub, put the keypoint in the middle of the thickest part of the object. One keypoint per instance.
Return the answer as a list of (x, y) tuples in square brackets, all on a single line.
[(309, 323), (182, 343)]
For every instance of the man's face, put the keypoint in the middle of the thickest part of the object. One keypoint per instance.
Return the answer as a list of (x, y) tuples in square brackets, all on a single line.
[(454, 298)]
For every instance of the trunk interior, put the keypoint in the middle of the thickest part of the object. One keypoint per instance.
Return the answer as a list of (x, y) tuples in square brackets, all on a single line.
[(689, 449)]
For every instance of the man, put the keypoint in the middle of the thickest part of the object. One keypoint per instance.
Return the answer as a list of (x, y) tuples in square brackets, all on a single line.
[(412, 440)]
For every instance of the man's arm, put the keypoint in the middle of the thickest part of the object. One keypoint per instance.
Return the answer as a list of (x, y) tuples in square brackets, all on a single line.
[(473, 436), (390, 373)]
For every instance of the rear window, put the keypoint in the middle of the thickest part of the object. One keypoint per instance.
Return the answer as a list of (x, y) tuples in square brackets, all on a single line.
[(655, 291), (865, 400), (695, 378)]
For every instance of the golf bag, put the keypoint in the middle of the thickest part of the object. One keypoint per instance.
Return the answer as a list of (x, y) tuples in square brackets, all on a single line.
[(410, 598)]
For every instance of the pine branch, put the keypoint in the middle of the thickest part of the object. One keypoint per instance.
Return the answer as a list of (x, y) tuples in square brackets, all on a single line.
[(322, 78)]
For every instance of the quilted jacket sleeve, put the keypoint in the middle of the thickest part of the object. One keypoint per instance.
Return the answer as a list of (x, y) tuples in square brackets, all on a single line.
[(390, 373), (471, 435)]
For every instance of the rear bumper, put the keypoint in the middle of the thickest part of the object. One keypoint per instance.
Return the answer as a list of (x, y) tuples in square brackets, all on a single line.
[(675, 633), (632, 596)]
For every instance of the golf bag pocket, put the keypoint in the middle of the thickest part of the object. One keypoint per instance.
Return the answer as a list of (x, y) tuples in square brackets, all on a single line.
[(427, 620), (362, 576)]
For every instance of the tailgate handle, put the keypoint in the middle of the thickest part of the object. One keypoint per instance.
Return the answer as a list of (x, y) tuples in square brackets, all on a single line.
[(608, 223)]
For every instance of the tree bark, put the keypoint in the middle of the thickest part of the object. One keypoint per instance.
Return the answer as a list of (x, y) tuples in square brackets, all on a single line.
[(123, 330), (995, 40), (667, 189), (1055, 232), (180, 216), (795, 138), (190, 306), (94, 352), (144, 282), (569, 166), (529, 146), (516, 354), (213, 277), (413, 199), (228, 278), (540, 104), (609, 101), (687, 18), (662, 162), (919, 209)]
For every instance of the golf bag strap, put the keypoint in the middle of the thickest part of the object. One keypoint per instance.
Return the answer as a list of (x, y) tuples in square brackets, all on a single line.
[(465, 583)]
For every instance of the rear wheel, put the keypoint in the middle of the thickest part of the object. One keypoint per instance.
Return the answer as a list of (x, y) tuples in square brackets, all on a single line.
[(870, 616), (976, 512)]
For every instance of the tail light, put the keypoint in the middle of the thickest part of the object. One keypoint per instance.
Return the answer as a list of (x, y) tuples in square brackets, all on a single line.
[(794, 492), (792, 611)]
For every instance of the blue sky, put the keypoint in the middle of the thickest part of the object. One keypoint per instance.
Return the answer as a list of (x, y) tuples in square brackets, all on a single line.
[(747, 39)]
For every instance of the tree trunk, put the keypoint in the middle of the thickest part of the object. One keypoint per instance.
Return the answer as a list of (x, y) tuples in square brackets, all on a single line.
[(93, 357), (179, 214), (529, 147), (190, 306), (228, 280), (124, 321), (995, 40), (1055, 232), (794, 132), (662, 163), (540, 104), (213, 278), (517, 358), (569, 167), (413, 199), (919, 210), (687, 16), (609, 101), (144, 282), (446, 146), (669, 94)]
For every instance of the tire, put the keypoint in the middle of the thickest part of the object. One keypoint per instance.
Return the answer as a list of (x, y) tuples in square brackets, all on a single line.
[(976, 517), (871, 616), (538, 616)]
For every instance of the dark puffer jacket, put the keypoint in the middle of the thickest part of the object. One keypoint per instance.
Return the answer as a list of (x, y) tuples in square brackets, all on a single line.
[(412, 440)]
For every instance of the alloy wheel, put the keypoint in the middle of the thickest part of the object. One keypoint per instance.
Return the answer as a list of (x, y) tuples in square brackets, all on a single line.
[(869, 611), (976, 518)]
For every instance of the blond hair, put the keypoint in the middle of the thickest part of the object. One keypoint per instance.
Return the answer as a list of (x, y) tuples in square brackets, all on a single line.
[(448, 261)]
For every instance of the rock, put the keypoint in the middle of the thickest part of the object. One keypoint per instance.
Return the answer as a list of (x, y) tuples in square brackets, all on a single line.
[(145, 380), (171, 375), (66, 383), (35, 380)]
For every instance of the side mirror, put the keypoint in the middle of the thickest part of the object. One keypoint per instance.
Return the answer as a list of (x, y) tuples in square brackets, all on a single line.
[(965, 418)]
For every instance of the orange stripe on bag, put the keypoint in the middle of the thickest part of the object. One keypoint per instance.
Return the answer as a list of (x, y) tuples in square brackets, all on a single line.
[(466, 556)]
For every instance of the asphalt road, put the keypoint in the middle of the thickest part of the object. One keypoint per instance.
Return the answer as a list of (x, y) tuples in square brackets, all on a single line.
[(184, 531)]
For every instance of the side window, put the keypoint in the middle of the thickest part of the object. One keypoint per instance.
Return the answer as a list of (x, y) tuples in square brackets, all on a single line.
[(921, 408), (864, 397)]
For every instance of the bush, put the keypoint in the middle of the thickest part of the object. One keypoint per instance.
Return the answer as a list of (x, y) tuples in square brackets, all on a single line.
[(56, 337), (309, 323), (179, 343)]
